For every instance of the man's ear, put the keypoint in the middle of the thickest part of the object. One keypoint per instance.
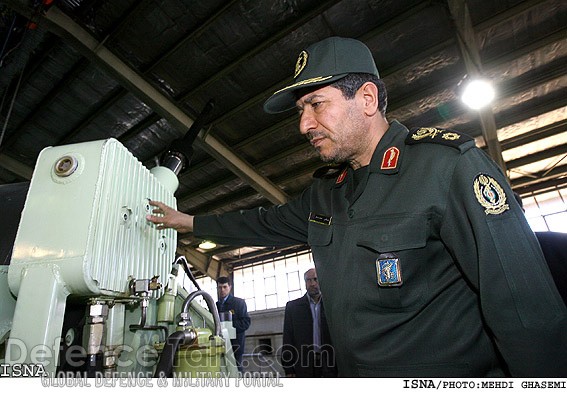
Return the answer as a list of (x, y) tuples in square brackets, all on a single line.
[(369, 95)]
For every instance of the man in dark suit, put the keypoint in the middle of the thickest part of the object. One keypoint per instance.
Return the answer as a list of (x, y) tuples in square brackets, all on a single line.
[(307, 351), (239, 315), (554, 247)]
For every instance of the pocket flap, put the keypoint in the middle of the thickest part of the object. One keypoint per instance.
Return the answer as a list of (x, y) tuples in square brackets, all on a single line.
[(394, 233), (319, 234)]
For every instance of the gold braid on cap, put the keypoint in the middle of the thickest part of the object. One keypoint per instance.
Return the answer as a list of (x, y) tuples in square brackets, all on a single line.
[(301, 63)]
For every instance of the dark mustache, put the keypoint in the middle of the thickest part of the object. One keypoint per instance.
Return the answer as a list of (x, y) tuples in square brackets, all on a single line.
[(314, 134)]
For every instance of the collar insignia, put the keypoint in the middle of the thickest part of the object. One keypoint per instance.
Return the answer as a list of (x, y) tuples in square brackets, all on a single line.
[(390, 158), (341, 177), (490, 195)]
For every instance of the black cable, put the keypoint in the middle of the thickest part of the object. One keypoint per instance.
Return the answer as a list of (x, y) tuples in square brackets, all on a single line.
[(187, 270)]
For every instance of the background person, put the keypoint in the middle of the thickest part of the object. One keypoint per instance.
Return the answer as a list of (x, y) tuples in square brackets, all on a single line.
[(554, 247), (239, 314), (307, 351)]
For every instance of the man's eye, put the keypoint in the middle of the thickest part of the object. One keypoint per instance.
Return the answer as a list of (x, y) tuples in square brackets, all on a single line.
[(316, 104)]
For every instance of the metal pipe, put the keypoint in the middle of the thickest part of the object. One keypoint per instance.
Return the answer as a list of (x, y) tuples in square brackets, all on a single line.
[(210, 303), (142, 325)]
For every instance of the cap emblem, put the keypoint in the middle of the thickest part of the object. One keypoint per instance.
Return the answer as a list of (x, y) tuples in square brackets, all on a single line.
[(301, 63)]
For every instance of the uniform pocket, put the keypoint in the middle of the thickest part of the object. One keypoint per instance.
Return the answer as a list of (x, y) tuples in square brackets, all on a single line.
[(394, 233), (319, 234), (404, 237)]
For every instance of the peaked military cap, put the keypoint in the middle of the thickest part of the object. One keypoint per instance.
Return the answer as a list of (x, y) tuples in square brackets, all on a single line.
[(322, 63)]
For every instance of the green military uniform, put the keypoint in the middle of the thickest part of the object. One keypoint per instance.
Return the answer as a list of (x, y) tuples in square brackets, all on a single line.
[(428, 266)]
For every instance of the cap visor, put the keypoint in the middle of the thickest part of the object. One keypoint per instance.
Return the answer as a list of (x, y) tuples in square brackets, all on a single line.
[(284, 99)]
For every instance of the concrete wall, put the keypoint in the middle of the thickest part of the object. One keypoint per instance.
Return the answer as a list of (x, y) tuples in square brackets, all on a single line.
[(264, 341)]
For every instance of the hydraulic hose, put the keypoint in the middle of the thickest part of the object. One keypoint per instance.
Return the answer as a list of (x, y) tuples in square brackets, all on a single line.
[(164, 368), (210, 303)]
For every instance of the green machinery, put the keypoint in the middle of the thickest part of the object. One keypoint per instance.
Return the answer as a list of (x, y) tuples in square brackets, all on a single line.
[(91, 287)]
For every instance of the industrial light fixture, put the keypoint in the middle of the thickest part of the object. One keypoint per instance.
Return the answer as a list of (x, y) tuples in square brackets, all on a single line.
[(476, 93), (207, 245)]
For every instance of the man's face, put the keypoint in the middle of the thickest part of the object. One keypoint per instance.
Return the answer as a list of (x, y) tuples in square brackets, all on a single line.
[(223, 290), (335, 126), (311, 283)]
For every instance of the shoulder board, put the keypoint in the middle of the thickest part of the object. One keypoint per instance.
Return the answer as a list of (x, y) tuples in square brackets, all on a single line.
[(330, 171), (437, 136)]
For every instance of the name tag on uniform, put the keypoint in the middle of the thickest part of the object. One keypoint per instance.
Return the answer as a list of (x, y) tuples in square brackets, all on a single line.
[(388, 270), (321, 219)]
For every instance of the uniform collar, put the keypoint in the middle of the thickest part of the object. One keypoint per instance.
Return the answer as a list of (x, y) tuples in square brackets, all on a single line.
[(387, 157)]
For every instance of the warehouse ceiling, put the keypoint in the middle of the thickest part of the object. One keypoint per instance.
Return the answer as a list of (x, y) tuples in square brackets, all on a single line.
[(141, 71)]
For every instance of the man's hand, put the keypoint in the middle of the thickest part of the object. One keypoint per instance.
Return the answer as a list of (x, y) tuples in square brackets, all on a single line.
[(167, 217)]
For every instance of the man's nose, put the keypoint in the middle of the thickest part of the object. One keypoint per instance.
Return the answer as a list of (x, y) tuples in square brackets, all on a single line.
[(307, 121)]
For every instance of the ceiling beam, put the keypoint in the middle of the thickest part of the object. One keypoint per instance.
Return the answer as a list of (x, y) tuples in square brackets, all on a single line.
[(541, 155), (541, 181), (322, 7), (61, 24), (208, 265), (466, 37), (535, 135), (15, 166)]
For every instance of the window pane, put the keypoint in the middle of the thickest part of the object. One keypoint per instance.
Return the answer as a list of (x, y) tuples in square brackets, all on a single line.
[(537, 224), (550, 203), (251, 304), (295, 294), (557, 222), (271, 301), (293, 281), (269, 269), (270, 285), (530, 206), (249, 289)]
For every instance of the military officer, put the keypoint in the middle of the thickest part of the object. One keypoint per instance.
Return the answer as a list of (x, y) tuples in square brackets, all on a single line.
[(427, 263)]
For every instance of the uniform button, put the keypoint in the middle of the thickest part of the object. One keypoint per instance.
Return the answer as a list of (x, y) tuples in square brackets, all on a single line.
[(350, 213)]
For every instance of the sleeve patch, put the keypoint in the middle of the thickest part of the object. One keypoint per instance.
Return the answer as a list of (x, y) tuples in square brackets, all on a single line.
[(490, 195), (437, 136)]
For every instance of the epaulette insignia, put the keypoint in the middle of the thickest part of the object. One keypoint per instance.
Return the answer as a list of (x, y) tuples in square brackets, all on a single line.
[(438, 136), (330, 171)]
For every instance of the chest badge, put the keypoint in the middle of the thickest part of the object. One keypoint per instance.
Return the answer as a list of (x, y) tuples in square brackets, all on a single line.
[(490, 195), (388, 270), (390, 158)]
